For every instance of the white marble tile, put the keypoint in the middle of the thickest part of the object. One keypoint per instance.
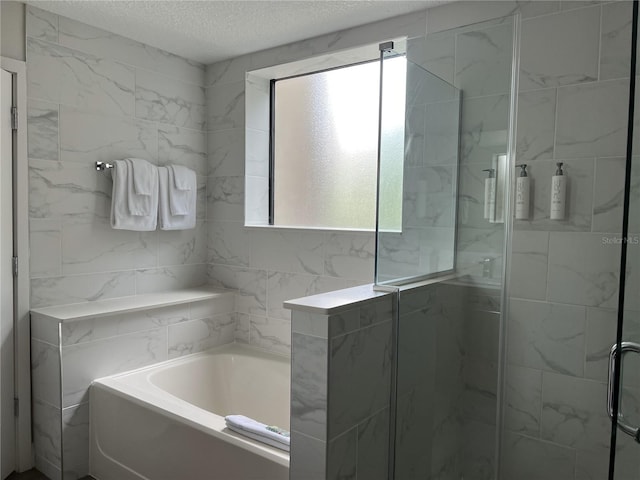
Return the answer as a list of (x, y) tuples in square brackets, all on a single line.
[(256, 201), (350, 256), (416, 353), (96, 247), (481, 334), (560, 49), (583, 269), (615, 38), (442, 132), (83, 363), (477, 457), (288, 251), (90, 137), (227, 152), (483, 61), (182, 146), (225, 106), (273, 334), (170, 278), (228, 71), (414, 144), (285, 286), (309, 385), (342, 456), (524, 400), (183, 247), (166, 100), (42, 130), (251, 286), (536, 125), (429, 196), (435, 54), (44, 247), (46, 432), (49, 469), (529, 259), (44, 329), (373, 454), (257, 153), (573, 414), (363, 355), (414, 436), (198, 335), (310, 324), (484, 124), (479, 399), (41, 24), (592, 120), (61, 75), (80, 288), (526, 458), (206, 308), (105, 44), (608, 195), (376, 311), (229, 243), (225, 198), (547, 336), (243, 328), (308, 457), (592, 465), (75, 434), (573, 4), (399, 254), (45, 372), (344, 322)]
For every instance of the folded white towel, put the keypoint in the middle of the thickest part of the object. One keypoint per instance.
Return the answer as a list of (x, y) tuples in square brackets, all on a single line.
[(146, 204), (274, 436), (167, 220), (121, 218), (145, 177), (182, 189)]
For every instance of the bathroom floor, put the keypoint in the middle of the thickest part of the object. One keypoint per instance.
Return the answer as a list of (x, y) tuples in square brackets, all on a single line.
[(34, 474)]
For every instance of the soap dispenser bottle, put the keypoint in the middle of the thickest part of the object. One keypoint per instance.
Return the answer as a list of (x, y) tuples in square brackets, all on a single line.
[(558, 194), (490, 195), (522, 194)]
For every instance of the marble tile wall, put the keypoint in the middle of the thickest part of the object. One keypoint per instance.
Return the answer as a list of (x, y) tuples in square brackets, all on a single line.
[(94, 95), (340, 391), (67, 357)]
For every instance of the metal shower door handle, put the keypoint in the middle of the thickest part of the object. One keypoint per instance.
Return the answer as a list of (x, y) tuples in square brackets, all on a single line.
[(625, 347)]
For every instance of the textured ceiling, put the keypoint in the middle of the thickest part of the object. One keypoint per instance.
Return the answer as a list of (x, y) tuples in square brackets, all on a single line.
[(209, 31)]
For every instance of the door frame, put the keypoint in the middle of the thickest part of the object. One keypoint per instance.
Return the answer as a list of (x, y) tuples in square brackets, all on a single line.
[(22, 327)]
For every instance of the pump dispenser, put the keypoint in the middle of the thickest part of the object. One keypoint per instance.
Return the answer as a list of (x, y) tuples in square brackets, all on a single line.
[(490, 195), (558, 194), (522, 194)]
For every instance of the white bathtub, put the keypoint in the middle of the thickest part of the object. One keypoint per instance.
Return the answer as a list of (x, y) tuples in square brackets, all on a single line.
[(166, 422)]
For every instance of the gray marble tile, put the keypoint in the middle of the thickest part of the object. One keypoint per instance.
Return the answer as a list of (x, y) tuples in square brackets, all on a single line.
[(560, 49), (226, 106), (106, 44), (44, 247), (225, 198), (45, 372), (363, 355), (608, 196), (273, 334), (481, 335), (414, 436), (373, 453), (183, 247), (46, 432), (61, 75), (41, 24), (309, 364), (615, 38), (182, 146), (524, 400), (342, 456), (175, 277), (229, 243), (288, 251), (308, 457), (573, 280), (96, 247), (477, 457), (88, 137), (75, 441), (592, 120), (536, 125), (350, 256), (165, 100), (227, 152), (526, 458), (529, 259), (573, 413), (196, 336), (483, 61), (42, 130), (85, 362), (547, 336), (251, 286), (81, 288)]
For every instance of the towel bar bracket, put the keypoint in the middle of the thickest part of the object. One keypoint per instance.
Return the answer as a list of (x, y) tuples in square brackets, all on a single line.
[(102, 166)]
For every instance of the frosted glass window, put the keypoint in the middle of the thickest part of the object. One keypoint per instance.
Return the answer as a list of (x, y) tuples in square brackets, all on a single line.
[(325, 140)]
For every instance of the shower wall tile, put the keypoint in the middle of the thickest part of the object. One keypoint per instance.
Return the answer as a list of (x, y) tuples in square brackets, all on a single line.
[(46, 433), (75, 441), (442, 126), (608, 196), (308, 456), (273, 334), (225, 198), (289, 251), (524, 400), (592, 120), (183, 146), (229, 243), (227, 152), (44, 247), (226, 106), (480, 399), (615, 47), (175, 277), (61, 75), (484, 128), (105, 44), (42, 130), (195, 336), (536, 125), (257, 153), (560, 49), (350, 256), (183, 247), (342, 456), (41, 24), (45, 372), (530, 256), (436, 56), (372, 450), (531, 459), (250, 286), (428, 196)]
